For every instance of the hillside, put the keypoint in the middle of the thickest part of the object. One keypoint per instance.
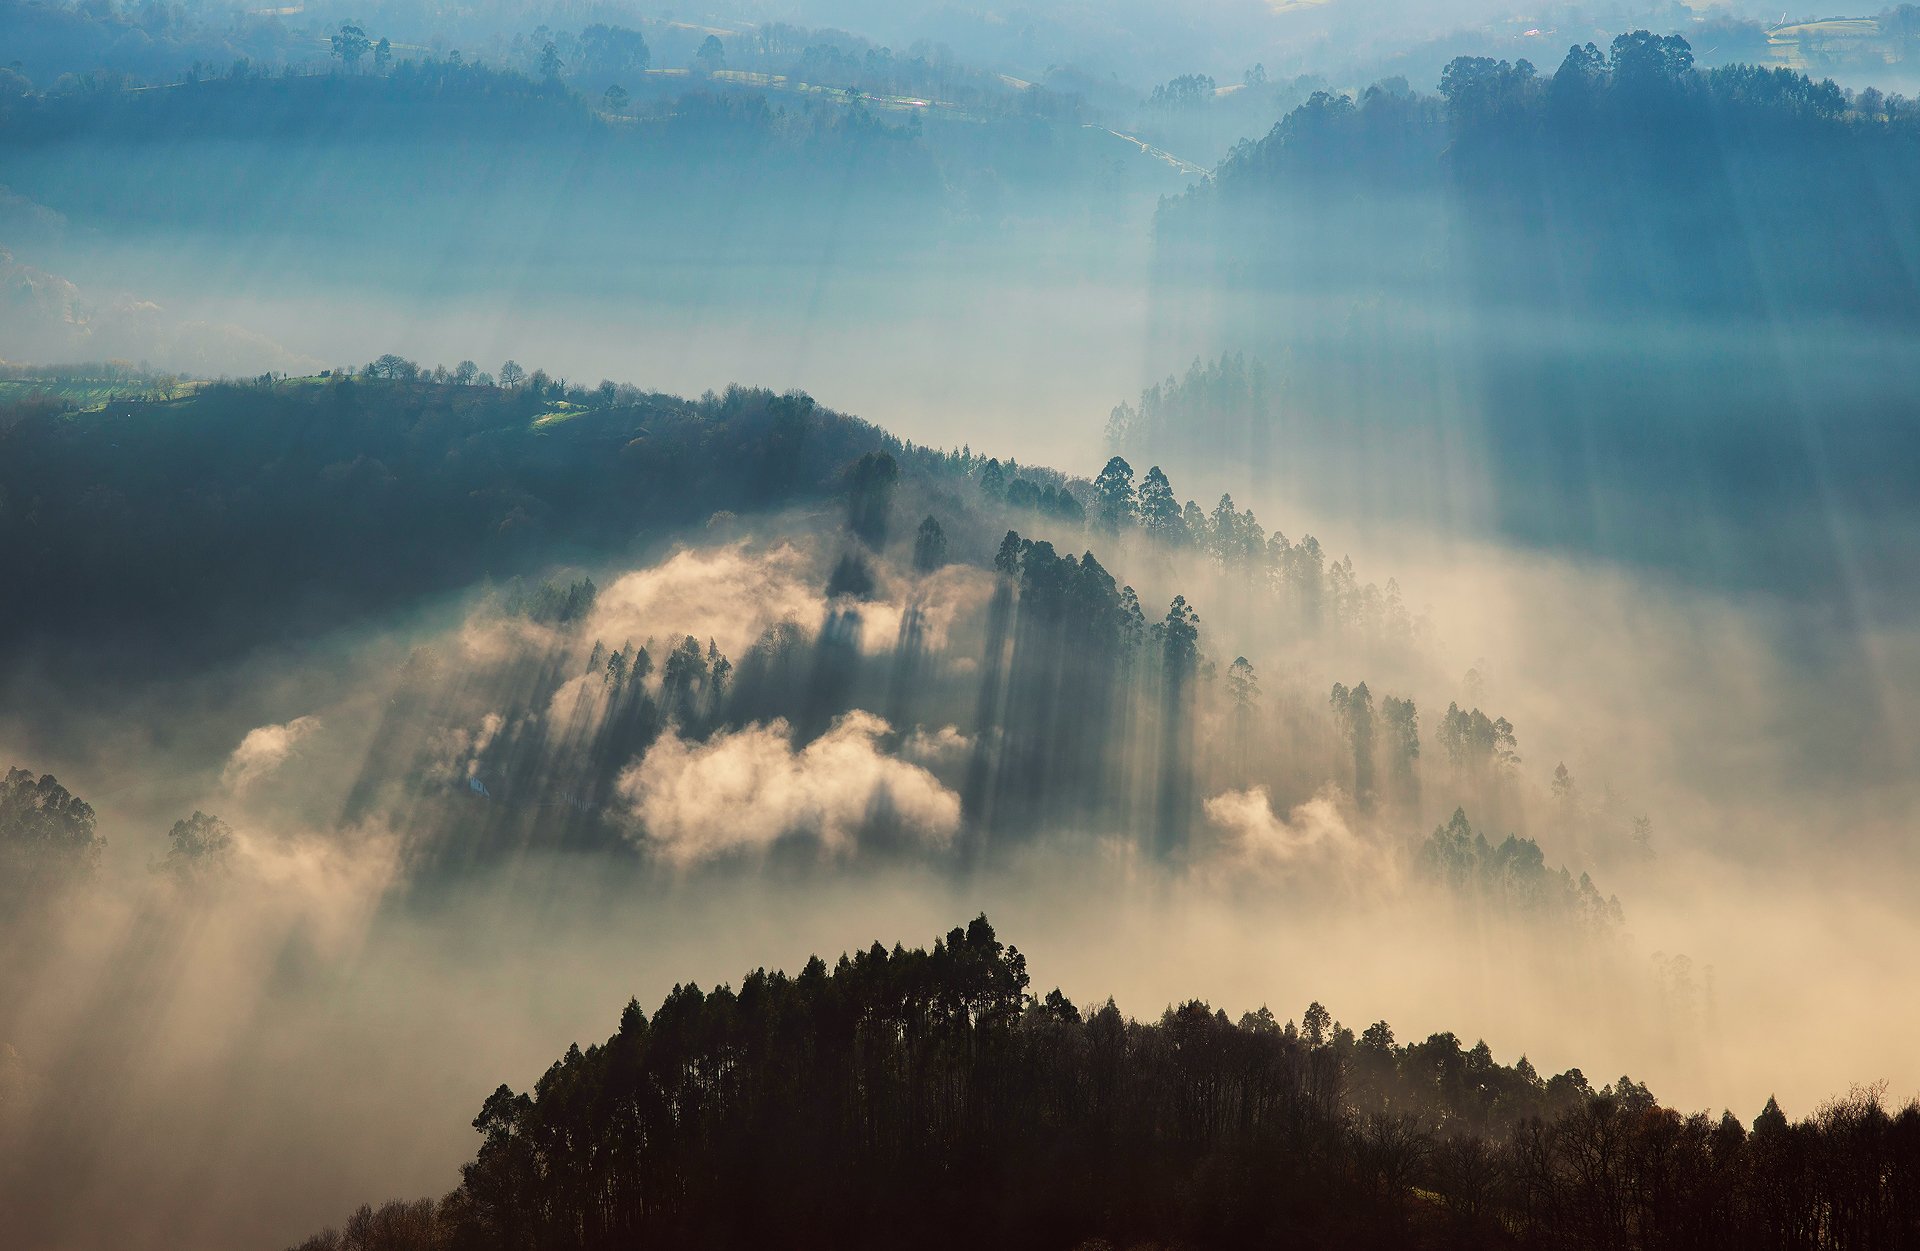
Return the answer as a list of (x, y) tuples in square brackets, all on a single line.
[(249, 510)]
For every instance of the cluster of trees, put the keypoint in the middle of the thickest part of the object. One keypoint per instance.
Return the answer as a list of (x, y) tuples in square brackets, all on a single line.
[(1048, 495), (932, 1091), (1511, 878), (1081, 701), (47, 836), (1185, 92), (549, 604), (1214, 407), (1320, 594)]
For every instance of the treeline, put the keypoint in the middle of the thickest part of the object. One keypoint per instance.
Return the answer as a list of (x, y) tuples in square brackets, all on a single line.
[(931, 1094)]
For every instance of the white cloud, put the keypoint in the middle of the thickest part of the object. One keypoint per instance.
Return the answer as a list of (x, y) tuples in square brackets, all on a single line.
[(726, 594), (744, 791), (935, 747), (1314, 839), (263, 750)]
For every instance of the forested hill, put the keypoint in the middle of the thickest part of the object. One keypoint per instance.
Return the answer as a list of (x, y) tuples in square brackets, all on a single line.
[(930, 1098), (486, 155), (1625, 176), (1667, 311), (242, 511), (497, 164)]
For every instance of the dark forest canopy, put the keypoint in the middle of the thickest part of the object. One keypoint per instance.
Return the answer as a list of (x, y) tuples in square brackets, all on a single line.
[(1626, 176), (247, 509), (934, 1091)]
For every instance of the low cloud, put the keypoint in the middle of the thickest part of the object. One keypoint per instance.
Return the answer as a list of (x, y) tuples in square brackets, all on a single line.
[(264, 750), (747, 790), (727, 594), (1315, 838), (935, 747)]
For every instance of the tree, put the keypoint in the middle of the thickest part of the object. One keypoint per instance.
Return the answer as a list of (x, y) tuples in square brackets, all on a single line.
[(511, 375), (1193, 525), (395, 368), (1113, 496), (1224, 530), (350, 45), (1180, 640), (550, 62), (851, 576), (1243, 686), (1478, 88), (382, 54), (929, 546), (1354, 711), (1641, 60), (993, 479), (712, 54), (611, 52), (465, 372), (615, 99), (684, 673), (1314, 1024), (1185, 92), (1007, 559), (199, 846), (1159, 509), (1643, 837), (870, 486), (1400, 736)]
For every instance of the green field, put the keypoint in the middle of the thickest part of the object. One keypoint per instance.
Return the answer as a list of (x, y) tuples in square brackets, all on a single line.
[(91, 391)]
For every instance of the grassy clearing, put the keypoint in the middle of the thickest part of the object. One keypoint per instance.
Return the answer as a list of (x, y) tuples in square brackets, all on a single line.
[(91, 394)]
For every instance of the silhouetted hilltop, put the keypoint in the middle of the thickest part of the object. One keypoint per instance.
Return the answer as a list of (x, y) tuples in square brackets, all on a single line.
[(930, 1096)]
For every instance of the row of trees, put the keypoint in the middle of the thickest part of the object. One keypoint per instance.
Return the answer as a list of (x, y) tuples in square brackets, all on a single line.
[(395, 368), (1321, 593), (931, 1094)]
